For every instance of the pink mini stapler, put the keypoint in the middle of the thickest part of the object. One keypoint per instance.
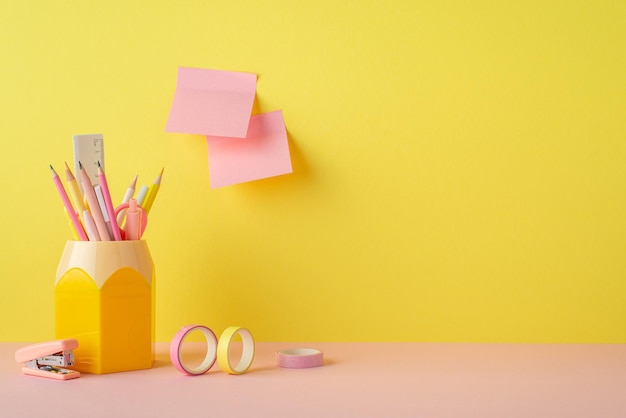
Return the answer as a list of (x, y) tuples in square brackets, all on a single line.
[(46, 359)]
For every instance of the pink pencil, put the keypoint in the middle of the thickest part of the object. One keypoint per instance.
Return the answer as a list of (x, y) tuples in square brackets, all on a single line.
[(117, 236), (94, 207), (68, 206)]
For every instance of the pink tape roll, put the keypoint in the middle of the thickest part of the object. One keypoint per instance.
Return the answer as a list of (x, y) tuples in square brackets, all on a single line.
[(177, 343), (299, 358)]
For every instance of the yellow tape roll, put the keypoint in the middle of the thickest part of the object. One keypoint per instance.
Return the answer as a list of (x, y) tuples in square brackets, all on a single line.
[(223, 349)]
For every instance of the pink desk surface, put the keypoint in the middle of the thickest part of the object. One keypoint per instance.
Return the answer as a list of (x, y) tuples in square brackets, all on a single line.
[(357, 380)]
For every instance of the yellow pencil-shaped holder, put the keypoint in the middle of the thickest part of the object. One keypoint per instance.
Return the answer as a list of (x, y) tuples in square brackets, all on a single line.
[(104, 297)]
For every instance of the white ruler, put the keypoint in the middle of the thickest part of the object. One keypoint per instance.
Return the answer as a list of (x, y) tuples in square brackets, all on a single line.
[(89, 150)]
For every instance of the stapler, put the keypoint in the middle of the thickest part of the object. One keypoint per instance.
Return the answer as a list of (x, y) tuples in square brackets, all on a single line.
[(47, 359)]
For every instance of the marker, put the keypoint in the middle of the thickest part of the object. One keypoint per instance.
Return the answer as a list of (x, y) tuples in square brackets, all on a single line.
[(109, 204), (133, 221), (94, 208), (68, 206)]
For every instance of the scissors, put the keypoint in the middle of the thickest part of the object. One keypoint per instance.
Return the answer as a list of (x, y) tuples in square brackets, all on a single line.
[(142, 220)]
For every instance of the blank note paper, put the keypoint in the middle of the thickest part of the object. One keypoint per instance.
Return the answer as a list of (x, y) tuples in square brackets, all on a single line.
[(263, 153), (212, 102)]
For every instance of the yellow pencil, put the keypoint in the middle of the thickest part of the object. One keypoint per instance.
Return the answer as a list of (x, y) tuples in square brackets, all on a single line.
[(152, 192), (72, 185)]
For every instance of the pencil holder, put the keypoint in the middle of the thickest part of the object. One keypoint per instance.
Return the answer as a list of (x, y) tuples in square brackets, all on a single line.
[(104, 297)]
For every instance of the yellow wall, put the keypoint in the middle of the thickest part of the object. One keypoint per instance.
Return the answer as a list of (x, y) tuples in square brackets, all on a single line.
[(459, 167)]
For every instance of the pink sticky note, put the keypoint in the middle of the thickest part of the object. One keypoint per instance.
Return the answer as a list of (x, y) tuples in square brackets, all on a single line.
[(263, 153), (212, 102)]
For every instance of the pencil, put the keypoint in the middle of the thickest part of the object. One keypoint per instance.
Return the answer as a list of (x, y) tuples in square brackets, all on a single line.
[(94, 207), (130, 192), (72, 185), (152, 192), (109, 204), (68, 206)]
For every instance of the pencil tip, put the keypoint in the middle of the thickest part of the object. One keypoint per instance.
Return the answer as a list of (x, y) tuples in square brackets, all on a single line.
[(80, 165)]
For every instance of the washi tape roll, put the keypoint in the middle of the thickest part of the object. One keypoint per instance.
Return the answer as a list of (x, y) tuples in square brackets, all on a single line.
[(177, 343), (299, 358), (223, 350)]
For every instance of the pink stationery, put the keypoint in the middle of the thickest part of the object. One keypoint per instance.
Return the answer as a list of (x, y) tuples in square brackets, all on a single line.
[(212, 102), (263, 153)]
